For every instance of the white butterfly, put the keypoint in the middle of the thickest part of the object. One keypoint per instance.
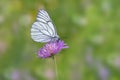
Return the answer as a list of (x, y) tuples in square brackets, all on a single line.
[(43, 29)]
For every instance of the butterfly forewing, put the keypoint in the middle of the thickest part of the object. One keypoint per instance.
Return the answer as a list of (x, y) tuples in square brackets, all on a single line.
[(43, 16), (43, 29)]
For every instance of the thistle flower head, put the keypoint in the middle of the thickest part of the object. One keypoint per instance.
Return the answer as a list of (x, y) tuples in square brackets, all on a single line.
[(51, 48)]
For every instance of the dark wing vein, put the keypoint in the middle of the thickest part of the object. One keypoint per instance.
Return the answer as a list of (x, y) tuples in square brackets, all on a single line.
[(50, 28), (41, 31), (44, 28)]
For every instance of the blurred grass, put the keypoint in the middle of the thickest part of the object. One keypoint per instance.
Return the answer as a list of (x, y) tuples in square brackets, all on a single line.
[(90, 28)]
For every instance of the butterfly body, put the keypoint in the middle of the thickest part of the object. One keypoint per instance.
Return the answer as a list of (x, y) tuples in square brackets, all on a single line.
[(43, 30)]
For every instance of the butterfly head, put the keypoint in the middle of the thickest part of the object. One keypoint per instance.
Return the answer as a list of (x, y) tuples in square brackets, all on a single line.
[(56, 38)]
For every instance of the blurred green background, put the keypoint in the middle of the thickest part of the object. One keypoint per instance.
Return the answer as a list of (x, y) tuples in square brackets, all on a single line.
[(91, 28)]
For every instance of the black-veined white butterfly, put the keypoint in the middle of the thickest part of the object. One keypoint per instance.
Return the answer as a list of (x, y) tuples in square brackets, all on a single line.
[(43, 29)]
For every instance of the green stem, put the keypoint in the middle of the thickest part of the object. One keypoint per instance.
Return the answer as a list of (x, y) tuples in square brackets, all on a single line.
[(56, 70)]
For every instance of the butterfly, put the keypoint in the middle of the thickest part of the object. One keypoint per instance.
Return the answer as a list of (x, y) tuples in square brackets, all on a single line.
[(43, 30)]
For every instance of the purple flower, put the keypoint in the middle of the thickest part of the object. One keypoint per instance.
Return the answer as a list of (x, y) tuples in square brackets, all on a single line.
[(51, 48)]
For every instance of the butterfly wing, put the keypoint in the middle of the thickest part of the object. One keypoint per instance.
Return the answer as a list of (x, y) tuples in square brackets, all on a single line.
[(43, 29)]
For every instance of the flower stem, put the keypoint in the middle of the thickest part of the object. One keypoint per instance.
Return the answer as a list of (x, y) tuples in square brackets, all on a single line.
[(56, 70)]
